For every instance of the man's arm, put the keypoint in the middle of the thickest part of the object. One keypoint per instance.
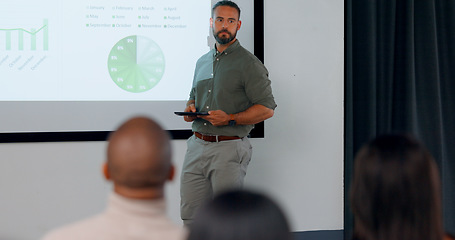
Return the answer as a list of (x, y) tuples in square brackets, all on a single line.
[(255, 114)]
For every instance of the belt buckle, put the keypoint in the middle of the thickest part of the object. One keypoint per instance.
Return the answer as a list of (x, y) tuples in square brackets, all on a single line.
[(216, 137)]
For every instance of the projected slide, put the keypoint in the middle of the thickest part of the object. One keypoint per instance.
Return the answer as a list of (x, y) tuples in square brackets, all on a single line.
[(87, 65), (100, 50)]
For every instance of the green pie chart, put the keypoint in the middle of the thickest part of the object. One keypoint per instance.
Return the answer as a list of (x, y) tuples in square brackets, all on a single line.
[(136, 64)]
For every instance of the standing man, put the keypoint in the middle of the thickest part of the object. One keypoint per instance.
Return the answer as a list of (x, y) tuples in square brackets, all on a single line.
[(232, 85)]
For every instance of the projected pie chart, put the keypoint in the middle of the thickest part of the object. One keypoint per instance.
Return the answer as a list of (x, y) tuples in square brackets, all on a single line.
[(136, 64)]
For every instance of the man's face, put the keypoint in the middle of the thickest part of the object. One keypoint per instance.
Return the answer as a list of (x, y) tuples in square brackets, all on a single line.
[(225, 23)]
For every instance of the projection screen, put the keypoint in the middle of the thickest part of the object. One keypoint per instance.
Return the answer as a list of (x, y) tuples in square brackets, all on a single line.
[(74, 70)]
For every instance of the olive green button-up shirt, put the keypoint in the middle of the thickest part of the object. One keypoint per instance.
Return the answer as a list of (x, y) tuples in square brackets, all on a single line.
[(232, 81)]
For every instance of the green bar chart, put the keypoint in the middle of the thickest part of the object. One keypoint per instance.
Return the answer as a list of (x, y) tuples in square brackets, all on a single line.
[(16, 38), (20, 40), (45, 35), (33, 40), (8, 40)]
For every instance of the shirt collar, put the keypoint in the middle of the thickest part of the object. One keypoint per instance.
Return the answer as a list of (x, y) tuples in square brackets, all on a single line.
[(234, 46)]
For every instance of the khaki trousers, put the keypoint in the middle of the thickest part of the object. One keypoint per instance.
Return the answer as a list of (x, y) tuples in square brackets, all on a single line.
[(208, 169)]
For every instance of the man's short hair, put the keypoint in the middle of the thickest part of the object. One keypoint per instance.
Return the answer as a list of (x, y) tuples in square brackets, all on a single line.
[(226, 3)]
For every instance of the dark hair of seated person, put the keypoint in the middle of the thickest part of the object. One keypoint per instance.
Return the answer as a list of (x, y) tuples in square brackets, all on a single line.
[(240, 215), (396, 192)]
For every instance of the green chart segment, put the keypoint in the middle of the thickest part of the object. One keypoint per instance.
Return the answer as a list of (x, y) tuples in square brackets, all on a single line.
[(136, 64)]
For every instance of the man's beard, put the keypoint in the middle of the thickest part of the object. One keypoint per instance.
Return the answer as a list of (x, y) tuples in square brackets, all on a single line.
[(224, 40)]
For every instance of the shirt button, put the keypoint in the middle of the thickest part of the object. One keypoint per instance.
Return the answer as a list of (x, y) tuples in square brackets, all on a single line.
[(212, 74), (210, 91), (205, 124), (218, 59), (207, 107)]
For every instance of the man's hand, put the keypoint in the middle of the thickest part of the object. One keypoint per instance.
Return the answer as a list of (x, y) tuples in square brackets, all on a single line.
[(254, 114), (190, 108), (217, 118)]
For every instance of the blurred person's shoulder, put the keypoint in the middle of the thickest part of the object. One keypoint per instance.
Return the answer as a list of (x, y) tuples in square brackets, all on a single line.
[(76, 230), (448, 236)]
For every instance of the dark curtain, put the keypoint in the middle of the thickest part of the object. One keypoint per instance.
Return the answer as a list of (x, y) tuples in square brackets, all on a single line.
[(400, 78)]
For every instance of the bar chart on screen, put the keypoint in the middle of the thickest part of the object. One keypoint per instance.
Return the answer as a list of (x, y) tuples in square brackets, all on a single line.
[(29, 55), (24, 45), (25, 39), (29, 49)]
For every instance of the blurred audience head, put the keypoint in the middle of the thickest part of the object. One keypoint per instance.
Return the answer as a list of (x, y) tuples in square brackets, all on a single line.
[(240, 215), (139, 159), (396, 191)]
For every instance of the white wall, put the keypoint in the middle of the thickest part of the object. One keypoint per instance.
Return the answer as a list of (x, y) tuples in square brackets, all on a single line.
[(301, 159), (299, 163)]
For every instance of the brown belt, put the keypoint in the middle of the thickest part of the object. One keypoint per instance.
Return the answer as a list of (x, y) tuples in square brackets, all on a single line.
[(214, 138)]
